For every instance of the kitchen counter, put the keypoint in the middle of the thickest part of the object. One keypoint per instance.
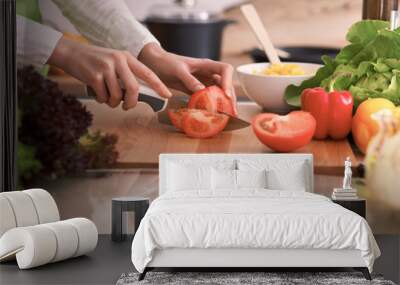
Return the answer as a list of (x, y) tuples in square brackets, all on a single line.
[(142, 138)]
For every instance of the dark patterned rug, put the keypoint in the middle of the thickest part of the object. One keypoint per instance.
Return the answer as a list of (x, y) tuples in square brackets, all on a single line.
[(244, 278)]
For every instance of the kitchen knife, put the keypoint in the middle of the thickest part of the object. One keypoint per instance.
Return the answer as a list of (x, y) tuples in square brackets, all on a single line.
[(161, 105)]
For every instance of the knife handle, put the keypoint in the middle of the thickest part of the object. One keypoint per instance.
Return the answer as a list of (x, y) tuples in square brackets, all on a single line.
[(146, 95), (156, 103)]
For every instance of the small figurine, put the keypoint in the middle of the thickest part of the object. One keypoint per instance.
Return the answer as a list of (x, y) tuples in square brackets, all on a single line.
[(347, 174)]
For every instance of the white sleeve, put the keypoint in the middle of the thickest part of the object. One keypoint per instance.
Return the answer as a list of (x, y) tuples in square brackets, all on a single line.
[(35, 42), (107, 23)]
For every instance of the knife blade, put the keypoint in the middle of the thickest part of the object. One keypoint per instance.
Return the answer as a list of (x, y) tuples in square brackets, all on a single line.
[(161, 105)]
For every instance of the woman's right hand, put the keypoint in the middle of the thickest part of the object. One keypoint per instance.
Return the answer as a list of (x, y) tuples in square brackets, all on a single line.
[(102, 68)]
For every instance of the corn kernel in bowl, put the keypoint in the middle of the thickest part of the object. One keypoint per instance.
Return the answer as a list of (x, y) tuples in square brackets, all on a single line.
[(282, 69)]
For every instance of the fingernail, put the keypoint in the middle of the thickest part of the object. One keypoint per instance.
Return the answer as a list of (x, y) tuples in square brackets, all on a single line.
[(199, 87), (169, 94)]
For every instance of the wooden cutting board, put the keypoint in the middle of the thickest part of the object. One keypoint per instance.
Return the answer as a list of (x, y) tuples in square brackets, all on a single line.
[(142, 139)]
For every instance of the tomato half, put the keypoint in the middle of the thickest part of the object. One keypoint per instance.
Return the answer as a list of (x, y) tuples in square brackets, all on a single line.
[(203, 124), (176, 115), (284, 133), (212, 99)]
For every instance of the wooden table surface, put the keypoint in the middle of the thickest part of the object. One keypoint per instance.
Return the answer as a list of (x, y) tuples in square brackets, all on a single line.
[(142, 138)]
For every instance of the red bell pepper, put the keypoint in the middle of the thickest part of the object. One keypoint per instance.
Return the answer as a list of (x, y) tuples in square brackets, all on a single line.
[(331, 110)]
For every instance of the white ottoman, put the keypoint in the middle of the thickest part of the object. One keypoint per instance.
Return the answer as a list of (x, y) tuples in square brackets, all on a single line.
[(31, 232)]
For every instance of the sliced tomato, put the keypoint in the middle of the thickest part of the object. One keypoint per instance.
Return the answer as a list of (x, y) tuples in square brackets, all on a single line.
[(212, 99), (284, 133), (176, 115), (203, 124)]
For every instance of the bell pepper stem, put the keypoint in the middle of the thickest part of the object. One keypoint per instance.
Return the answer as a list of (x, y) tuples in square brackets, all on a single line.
[(331, 88)]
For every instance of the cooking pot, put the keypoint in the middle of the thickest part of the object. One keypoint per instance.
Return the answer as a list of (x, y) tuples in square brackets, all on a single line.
[(183, 28)]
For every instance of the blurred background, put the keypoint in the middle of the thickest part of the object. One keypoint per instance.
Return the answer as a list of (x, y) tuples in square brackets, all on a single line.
[(318, 23)]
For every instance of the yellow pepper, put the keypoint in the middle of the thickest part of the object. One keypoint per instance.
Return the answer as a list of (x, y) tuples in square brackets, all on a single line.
[(364, 127)]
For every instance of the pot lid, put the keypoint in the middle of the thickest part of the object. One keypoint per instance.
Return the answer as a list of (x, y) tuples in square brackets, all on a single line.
[(181, 10)]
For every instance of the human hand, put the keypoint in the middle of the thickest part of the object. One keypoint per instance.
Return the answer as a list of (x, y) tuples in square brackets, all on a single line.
[(188, 74), (101, 68)]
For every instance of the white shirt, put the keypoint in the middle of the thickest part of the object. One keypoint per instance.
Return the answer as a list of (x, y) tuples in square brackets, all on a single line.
[(103, 22)]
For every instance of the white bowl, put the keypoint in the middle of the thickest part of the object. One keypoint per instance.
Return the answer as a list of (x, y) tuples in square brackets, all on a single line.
[(268, 90)]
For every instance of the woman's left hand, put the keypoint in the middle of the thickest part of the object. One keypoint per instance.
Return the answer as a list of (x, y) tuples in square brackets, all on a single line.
[(188, 74)]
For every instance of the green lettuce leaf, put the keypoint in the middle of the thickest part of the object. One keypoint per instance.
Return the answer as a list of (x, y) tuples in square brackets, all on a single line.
[(292, 93), (385, 45), (391, 62), (362, 94), (341, 78), (359, 35), (377, 86), (392, 93), (375, 82), (365, 31), (368, 67)]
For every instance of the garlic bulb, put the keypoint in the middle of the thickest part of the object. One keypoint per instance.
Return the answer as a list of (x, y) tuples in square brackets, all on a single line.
[(383, 161)]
